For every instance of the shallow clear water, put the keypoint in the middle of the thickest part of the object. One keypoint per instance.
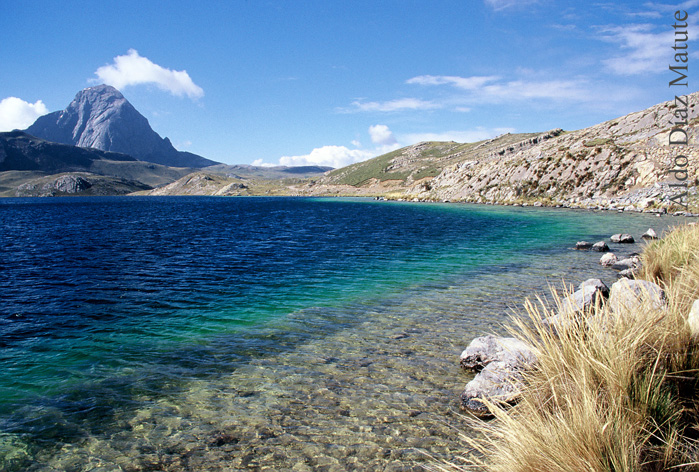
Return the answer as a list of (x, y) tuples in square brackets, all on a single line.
[(260, 333)]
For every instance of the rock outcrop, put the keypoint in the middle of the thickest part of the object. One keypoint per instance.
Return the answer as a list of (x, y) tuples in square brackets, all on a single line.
[(100, 117)]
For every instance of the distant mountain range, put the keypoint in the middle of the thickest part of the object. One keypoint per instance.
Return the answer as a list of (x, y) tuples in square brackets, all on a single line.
[(101, 145), (101, 118)]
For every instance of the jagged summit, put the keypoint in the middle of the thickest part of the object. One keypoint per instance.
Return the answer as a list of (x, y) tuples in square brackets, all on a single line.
[(100, 117)]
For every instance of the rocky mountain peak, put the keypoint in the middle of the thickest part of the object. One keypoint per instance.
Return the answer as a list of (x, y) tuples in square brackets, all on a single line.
[(101, 117)]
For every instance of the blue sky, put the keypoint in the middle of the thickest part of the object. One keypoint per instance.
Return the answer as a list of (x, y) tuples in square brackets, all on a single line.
[(330, 82)]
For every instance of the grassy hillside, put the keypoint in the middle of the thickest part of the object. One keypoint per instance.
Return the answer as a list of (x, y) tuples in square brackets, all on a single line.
[(414, 163)]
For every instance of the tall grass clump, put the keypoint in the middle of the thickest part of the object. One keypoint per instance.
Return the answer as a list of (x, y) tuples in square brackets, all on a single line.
[(610, 391)]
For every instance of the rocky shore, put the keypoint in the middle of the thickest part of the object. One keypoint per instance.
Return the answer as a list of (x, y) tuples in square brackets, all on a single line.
[(499, 363)]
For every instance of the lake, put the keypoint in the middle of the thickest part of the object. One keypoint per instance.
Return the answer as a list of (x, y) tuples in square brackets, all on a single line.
[(143, 333)]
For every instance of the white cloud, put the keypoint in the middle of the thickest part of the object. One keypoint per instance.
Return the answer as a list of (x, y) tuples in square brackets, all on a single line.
[(260, 163), (392, 105), (133, 69), (465, 136), (15, 113), (644, 51), (498, 5), (665, 7), (468, 83), (525, 90), (333, 156), (490, 89), (381, 134)]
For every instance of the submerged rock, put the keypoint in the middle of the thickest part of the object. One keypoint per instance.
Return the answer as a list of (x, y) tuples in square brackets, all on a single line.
[(623, 238), (499, 362), (629, 294)]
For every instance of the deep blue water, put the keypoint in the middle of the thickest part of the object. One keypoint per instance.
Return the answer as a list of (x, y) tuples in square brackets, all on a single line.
[(106, 300)]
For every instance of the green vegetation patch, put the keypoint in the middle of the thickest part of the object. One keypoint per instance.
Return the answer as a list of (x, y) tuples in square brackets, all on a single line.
[(598, 142)]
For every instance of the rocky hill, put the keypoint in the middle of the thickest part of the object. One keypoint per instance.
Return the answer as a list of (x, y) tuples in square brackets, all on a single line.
[(621, 163), (101, 118)]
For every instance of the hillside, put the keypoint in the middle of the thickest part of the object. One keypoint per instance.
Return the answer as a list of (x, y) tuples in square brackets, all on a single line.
[(30, 166), (621, 163), (240, 181)]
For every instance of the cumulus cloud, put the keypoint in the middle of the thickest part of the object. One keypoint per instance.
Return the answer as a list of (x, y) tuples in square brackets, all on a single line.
[(341, 156), (133, 69), (382, 135), (332, 156), (261, 163), (15, 113)]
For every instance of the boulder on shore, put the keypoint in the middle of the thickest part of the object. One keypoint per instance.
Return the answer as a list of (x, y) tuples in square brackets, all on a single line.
[(499, 362), (497, 382), (628, 273), (693, 318), (628, 263), (589, 293), (608, 259), (486, 349), (629, 294), (597, 285), (650, 234), (623, 238), (600, 247)]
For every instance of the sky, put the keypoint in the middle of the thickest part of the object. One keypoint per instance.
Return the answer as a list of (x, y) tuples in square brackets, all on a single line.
[(326, 82)]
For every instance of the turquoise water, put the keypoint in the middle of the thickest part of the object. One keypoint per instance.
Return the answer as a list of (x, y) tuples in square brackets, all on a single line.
[(244, 333)]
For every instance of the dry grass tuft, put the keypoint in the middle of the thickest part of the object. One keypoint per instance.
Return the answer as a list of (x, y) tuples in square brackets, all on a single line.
[(616, 392)]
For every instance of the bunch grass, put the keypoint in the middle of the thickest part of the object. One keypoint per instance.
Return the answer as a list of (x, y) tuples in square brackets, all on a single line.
[(610, 391)]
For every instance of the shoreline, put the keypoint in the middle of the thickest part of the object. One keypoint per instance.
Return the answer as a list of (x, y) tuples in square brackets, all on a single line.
[(585, 363)]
